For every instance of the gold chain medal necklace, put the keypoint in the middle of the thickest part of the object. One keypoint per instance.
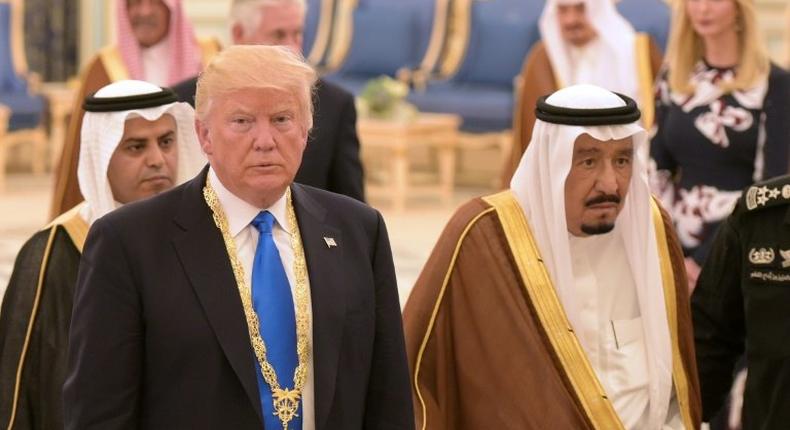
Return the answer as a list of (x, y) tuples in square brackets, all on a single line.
[(286, 402)]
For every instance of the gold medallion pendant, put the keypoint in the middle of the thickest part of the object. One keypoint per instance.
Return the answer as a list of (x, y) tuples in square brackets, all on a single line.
[(285, 402)]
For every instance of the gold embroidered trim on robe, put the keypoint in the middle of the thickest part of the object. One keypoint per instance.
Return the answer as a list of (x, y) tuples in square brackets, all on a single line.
[(77, 229), (678, 371), (435, 311), (575, 365), (33, 312), (116, 69), (110, 58)]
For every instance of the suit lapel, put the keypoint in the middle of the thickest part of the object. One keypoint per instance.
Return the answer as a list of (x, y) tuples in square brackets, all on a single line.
[(202, 253), (327, 294)]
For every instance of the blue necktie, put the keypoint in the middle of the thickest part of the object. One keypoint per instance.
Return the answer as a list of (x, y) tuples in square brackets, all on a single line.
[(272, 300)]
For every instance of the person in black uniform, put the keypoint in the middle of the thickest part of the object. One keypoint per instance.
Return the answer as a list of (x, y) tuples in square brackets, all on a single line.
[(742, 306), (331, 160)]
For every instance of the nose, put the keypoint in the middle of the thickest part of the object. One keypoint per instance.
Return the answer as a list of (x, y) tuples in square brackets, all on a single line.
[(264, 139), (155, 157), (606, 182), (146, 7)]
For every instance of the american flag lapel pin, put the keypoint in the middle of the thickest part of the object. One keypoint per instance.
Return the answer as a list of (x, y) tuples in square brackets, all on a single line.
[(330, 241)]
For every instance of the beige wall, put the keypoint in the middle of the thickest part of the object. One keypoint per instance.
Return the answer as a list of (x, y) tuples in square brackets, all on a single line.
[(210, 17), (773, 19)]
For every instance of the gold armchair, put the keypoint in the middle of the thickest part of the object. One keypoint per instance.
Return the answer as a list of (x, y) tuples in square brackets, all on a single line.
[(23, 106)]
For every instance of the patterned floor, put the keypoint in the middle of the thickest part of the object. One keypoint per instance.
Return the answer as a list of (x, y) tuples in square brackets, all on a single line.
[(23, 209)]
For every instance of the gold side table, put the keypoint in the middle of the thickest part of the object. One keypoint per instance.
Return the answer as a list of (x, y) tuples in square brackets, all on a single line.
[(396, 137)]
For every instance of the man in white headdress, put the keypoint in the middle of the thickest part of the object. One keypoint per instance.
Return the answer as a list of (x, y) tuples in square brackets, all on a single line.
[(155, 42), (561, 302), (137, 142), (583, 42)]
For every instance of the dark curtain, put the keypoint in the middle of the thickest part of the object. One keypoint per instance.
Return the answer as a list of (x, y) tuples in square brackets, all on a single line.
[(52, 37)]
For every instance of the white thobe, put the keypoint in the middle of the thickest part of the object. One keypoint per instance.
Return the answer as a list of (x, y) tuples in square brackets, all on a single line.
[(156, 61), (612, 327), (586, 68)]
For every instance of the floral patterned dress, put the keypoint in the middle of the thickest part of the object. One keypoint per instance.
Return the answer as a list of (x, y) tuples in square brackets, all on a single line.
[(708, 146)]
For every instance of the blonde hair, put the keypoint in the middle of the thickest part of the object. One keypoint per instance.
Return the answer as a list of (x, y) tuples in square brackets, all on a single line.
[(686, 49), (241, 67), (249, 13)]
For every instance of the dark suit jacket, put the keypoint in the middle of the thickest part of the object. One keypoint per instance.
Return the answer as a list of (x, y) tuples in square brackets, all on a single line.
[(158, 336), (331, 159)]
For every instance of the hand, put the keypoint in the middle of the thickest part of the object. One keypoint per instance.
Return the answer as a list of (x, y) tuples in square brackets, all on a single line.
[(692, 273)]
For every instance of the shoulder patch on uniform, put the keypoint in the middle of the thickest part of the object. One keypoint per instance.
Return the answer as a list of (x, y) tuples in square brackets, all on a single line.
[(766, 194)]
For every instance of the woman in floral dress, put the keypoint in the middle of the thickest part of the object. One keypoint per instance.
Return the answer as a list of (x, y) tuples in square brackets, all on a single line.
[(722, 119)]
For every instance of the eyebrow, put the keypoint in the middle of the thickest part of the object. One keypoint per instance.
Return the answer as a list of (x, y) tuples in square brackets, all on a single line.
[(586, 151), (284, 110), (276, 110), (134, 140), (170, 133), (239, 111), (626, 151)]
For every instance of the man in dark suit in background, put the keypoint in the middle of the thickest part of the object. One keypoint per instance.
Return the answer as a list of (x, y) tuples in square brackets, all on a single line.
[(331, 160), (240, 299)]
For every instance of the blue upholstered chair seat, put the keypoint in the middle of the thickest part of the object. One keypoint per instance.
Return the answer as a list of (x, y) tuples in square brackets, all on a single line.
[(387, 35), (648, 16), (483, 107), (26, 110), (481, 90), (352, 82), (386, 38), (311, 21)]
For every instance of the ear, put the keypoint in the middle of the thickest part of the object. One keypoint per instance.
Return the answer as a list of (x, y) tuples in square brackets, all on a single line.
[(203, 137), (237, 34)]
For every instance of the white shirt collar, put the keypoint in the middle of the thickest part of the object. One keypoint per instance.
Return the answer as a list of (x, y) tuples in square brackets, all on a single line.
[(240, 213)]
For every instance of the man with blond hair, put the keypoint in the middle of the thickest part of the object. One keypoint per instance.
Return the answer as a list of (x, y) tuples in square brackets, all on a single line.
[(331, 159), (247, 301)]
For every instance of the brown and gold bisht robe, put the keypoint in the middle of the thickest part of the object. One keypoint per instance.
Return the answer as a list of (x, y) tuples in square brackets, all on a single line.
[(490, 346)]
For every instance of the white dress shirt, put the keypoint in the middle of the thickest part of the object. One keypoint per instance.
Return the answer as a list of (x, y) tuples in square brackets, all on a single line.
[(613, 326), (240, 215)]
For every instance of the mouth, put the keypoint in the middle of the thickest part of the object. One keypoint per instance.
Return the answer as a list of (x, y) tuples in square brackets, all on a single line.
[(157, 180), (265, 167), (603, 206)]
